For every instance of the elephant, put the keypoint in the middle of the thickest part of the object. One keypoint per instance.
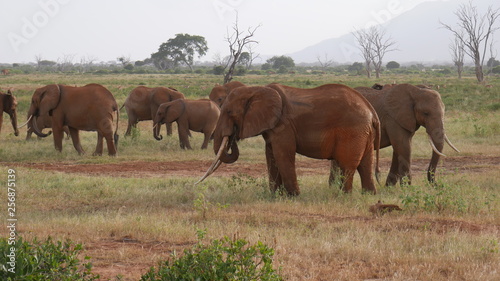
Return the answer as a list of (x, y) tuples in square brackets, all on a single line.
[(42, 123), (196, 115), (219, 92), (8, 103), (88, 108), (331, 121), (142, 104), (402, 109)]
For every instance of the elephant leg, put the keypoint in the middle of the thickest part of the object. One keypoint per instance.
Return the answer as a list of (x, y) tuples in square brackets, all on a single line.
[(284, 156), (110, 142), (206, 139), (58, 138), (400, 168), (75, 137), (169, 128), (393, 176), (334, 172), (404, 169), (365, 170), (66, 131), (183, 136), (29, 133), (401, 157), (275, 180), (132, 123), (100, 144)]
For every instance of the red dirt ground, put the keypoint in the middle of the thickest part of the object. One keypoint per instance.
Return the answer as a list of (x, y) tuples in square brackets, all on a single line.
[(469, 164)]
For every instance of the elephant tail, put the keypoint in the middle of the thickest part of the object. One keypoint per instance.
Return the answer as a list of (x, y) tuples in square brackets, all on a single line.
[(115, 135), (376, 126)]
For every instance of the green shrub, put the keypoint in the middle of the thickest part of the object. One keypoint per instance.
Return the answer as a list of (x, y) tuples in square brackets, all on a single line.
[(223, 259), (46, 260)]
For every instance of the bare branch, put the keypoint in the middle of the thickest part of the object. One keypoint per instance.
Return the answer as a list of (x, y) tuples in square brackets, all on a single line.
[(474, 31), (238, 40)]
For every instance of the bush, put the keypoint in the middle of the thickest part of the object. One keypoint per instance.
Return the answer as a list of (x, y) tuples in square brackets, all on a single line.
[(224, 259), (46, 260), (218, 70)]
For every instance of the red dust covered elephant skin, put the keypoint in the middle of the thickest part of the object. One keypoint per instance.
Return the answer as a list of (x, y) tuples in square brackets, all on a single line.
[(196, 115), (88, 108), (328, 122)]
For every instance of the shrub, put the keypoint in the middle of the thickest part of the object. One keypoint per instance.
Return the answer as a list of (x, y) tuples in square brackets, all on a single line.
[(223, 259), (46, 260), (218, 70)]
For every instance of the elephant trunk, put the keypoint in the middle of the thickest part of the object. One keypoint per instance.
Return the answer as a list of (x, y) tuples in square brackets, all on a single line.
[(231, 145), (436, 140), (37, 131), (156, 131), (13, 120)]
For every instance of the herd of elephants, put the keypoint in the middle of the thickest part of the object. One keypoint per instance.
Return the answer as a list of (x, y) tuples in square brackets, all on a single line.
[(333, 121)]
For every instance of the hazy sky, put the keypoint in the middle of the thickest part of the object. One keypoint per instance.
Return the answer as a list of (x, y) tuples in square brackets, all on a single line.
[(107, 29)]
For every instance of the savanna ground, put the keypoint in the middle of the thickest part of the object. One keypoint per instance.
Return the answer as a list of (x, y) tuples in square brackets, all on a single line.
[(134, 210)]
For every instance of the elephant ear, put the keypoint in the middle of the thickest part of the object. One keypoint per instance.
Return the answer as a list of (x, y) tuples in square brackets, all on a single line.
[(49, 99), (7, 101), (174, 110), (262, 112), (400, 106)]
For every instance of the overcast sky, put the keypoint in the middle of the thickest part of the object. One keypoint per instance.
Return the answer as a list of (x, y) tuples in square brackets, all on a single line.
[(107, 29)]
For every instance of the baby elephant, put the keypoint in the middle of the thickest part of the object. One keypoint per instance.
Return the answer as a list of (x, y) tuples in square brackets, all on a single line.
[(196, 115)]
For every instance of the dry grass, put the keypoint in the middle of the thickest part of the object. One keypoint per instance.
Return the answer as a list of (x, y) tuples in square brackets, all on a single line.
[(129, 223)]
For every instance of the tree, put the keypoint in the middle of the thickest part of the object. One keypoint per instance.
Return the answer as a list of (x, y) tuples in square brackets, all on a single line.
[(365, 47), (380, 47), (278, 62), (457, 55), (238, 40), (124, 60), (373, 46), (356, 67), (392, 65), (180, 50), (474, 31), (324, 63)]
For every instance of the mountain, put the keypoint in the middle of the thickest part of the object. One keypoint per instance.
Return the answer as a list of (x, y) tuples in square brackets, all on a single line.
[(418, 34)]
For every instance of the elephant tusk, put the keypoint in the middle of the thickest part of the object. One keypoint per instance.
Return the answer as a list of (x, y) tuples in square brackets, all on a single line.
[(450, 144), (19, 127), (38, 132), (216, 162), (434, 147)]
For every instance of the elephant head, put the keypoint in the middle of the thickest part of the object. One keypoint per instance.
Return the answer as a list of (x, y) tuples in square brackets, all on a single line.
[(10, 107), (167, 113), (220, 92), (246, 112), (413, 107), (43, 102)]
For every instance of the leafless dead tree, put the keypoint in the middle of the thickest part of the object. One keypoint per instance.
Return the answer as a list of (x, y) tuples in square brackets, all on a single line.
[(65, 63), (380, 46), (238, 40), (457, 55), (474, 31), (365, 46), (324, 63)]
